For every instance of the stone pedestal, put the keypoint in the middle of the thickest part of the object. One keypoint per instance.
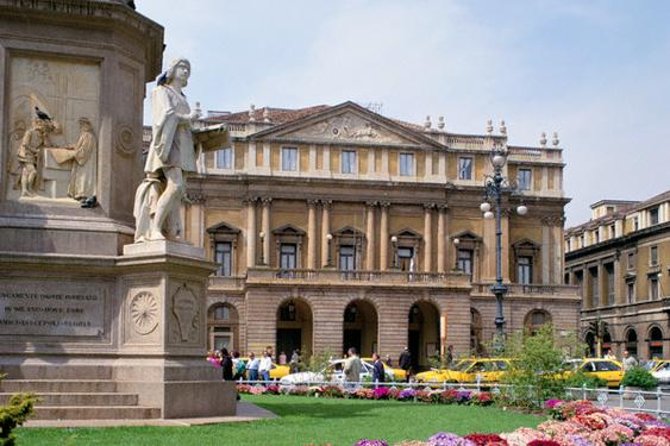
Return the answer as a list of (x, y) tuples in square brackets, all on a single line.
[(163, 332)]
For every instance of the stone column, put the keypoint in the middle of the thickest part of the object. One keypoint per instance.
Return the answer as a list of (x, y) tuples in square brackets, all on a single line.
[(251, 232), (325, 230), (441, 239), (384, 236), (428, 236), (311, 234), (370, 235), (265, 228)]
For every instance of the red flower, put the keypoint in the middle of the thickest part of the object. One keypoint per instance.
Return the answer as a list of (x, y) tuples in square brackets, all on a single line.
[(486, 439)]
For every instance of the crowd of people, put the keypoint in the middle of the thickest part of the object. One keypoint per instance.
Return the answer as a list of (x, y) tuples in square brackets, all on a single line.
[(252, 368)]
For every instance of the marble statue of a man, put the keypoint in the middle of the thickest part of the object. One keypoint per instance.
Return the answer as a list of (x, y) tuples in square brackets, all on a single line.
[(171, 157)]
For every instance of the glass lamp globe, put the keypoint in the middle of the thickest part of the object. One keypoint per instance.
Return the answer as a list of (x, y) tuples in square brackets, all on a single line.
[(485, 206), (488, 215), (498, 160), (522, 210)]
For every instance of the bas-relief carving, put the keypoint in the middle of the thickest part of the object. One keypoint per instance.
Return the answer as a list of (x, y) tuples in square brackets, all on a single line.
[(348, 127), (52, 153), (185, 315), (144, 312)]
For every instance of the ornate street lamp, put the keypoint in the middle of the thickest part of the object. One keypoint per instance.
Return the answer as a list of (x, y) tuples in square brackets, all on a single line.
[(494, 187), (394, 242), (261, 235), (329, 239)]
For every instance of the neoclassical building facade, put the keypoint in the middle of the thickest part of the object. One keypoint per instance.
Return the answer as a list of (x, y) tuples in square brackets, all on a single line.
[(621, 261), (334, 226)]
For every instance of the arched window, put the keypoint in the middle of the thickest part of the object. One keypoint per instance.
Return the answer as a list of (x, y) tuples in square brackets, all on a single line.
[(655, 343), (536, 319)]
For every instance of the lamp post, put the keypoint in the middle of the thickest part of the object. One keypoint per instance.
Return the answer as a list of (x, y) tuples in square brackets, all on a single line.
[(261, 235), (494, 188), (394, 242), (329, 238)]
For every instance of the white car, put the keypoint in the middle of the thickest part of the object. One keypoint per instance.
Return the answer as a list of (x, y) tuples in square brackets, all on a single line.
[(662, 372), (333, 372)]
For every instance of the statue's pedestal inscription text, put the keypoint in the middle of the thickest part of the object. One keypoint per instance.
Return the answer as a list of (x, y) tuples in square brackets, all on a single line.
[(51, 313)]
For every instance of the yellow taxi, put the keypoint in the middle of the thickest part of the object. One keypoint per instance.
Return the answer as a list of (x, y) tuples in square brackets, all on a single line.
[(485, 370), (398, 374), (608, 370), (435, 376)]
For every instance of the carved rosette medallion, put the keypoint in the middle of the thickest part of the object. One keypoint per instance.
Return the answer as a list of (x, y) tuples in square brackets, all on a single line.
[(186, 312), (144, 312), (125, 140)]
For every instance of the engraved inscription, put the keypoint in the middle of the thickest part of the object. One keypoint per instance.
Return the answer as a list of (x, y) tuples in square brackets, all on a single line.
[(51, 313)]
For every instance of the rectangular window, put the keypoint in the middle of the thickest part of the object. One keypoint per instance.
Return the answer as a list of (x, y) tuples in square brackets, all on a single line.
[(524, 178), (347, 258), (596, 236), (636, 223), (464, 260), (288, 256), (609, 270), (289, 159), (653, 255), (653, 287), (224, 158), (407, 164), (465, 168), (653, 216), (525, 270), (595, 289), (630, 292), (223, 256), (612, 231), (631, 260), (406, 259), (348, 161)]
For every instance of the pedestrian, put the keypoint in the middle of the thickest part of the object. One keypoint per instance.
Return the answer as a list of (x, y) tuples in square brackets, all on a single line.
[(252, 367), (378, 374), (282, 358), (610, 355), (265, 366), (294, 363), (388, 361), (629, 361), (352, 368), (405, 362), (239, 367), (226, 365), (450, 355)]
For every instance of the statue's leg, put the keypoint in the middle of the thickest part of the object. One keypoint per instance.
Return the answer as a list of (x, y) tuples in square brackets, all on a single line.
[(170, 198), (28, 175)]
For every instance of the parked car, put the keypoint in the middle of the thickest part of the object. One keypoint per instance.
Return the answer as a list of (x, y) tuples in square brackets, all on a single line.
[(438, 376), (605, 369), (333, 372), (661, 371)]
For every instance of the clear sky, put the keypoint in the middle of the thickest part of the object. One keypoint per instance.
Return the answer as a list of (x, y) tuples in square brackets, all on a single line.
[(598, 72)]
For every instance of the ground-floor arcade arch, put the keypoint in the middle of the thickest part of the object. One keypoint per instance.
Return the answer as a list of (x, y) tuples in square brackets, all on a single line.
[(360, 327), (294, 327)]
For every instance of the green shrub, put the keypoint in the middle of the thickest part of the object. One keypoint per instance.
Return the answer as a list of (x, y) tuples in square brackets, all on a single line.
[(639, 377), (18, 410), (579, 379)]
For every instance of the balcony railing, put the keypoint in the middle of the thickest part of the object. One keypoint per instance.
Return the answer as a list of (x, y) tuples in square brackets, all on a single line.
[(332, 276), (227, 282), (516, 289)]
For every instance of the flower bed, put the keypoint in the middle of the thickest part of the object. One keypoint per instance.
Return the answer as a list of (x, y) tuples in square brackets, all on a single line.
[(449, 396), (575, 423)]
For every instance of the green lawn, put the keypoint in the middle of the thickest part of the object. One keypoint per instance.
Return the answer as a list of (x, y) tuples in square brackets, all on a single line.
[(303, 421)]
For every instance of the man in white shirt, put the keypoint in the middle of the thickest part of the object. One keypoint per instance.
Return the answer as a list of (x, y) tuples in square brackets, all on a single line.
[(265, 366), (252, 367)]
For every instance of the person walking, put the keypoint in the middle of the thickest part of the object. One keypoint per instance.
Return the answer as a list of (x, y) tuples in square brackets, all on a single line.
[(226, 365), (265, 366), (405, 362), (252, 367), (352, 368), (629, 361), (378, 374), (450, 356)]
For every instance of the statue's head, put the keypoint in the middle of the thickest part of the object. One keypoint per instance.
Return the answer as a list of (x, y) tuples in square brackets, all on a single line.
[(168, 75)]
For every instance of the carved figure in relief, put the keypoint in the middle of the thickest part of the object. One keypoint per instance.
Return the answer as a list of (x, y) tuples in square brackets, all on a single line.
[(15, 138), (31, 154), (171, 157), (82, 176)]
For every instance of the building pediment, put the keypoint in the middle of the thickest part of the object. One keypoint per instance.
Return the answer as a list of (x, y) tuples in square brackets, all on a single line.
[(288, 230), (223, 228), (347, 123)]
